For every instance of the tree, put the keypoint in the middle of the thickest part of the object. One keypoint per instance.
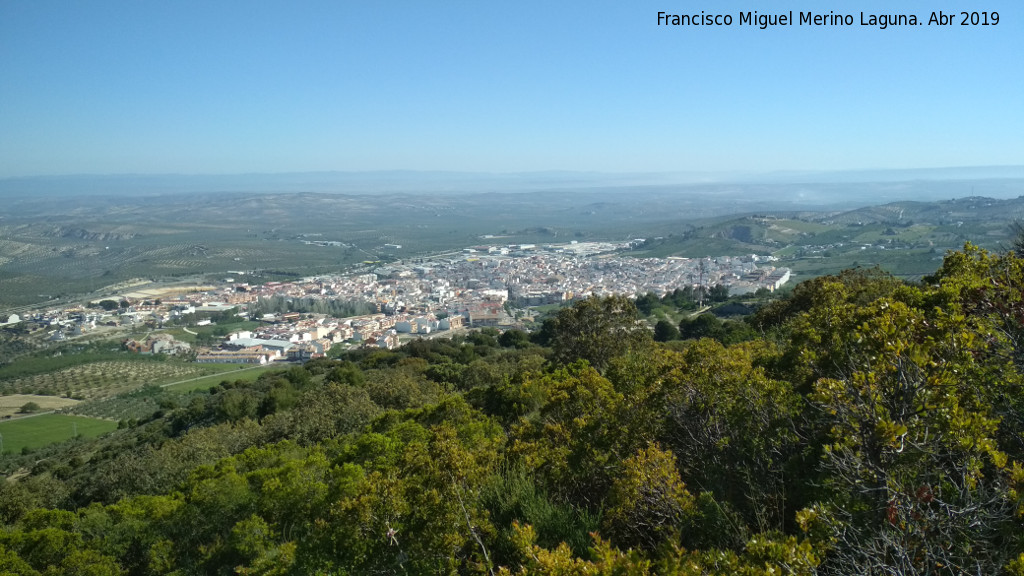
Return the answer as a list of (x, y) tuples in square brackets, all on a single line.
[(907, 390), (597, 330), (718, 293), (1017, 241), (11, 563), (254, 542), (763, 555), (237, 404), (346, 373), (860, 285), (514, 339), (647, 500), (646, 303), (706, 325), (680, 298), (575, 439), (29, 408), (732, 429), (665, 331)]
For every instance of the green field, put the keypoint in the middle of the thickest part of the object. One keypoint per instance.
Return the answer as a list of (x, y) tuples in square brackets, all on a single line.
[(231, 374), (37, 431)]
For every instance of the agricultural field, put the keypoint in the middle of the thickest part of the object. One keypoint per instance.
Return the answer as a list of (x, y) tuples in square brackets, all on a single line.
[(909, 264), (10, 405), (246, 374), (104, 378), (37, 431), (138, 404), (142, 402), (98, 381)]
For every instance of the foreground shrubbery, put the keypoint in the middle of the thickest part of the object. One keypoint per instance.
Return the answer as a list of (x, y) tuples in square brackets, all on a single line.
[(874, 427)]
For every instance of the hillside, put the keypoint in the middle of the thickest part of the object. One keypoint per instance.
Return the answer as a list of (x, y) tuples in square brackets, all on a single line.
[(904, 238), (861, 425)]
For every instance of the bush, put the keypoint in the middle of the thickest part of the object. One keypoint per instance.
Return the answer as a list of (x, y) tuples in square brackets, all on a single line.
[(29, 408)]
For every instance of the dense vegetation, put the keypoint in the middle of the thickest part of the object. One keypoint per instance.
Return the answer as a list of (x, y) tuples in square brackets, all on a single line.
[(863, 425)]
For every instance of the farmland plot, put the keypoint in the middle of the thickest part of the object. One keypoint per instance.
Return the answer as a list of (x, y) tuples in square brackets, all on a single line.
[(137, 404), (10, 405), (49, 428), (101, 379)]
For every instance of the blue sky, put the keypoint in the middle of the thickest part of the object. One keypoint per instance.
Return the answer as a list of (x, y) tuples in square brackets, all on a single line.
[(206, 87)]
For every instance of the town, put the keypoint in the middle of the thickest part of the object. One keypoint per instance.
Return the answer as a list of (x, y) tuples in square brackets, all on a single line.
[(388, 303)]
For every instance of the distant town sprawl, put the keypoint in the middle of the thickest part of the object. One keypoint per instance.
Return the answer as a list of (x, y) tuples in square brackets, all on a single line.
[(479, 286)]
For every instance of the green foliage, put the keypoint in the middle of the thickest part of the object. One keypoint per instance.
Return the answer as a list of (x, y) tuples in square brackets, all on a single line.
[(647, 500), (512, 495), (326, 412), (17, 498), (908, 390), (681, 298), (734, 430), (597, 330), (237, 404), (718, 293), (703, 326), (514, 339), (1017, 239), (401, 388), (707, 325), (346, 373), (574, 440), (646, 303), (665, 331), (863, 285)]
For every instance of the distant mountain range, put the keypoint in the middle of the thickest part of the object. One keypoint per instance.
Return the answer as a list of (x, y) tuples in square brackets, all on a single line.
[(433, 182)]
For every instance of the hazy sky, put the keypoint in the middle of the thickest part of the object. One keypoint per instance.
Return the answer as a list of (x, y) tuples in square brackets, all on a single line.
[(501, 86)]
